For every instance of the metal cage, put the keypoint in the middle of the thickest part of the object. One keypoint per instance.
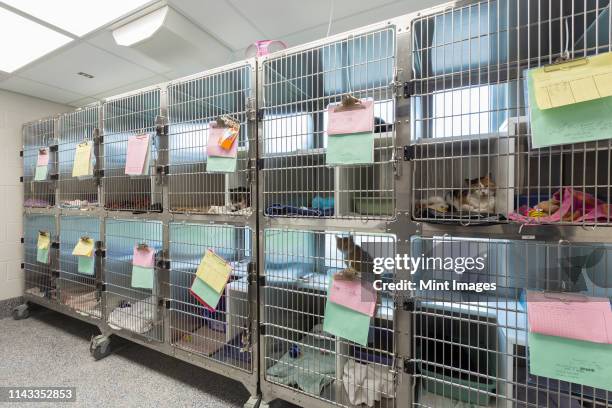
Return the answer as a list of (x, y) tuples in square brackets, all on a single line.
[(78, 288), (40, 277), (223, 335), (472, 347), (37, 135), (126, 116), (297, 354), (194, 103), (297, 86), (470, 112), (136, 310), (77, 127)]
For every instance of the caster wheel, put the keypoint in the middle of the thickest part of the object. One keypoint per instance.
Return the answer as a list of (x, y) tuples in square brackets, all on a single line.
[(21, 312), (100, 347)]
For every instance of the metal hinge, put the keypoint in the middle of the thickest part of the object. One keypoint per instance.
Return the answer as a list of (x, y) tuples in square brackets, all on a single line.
[(22, 240), (260, 164), (168, 304), (262, 329), (408, 305), (100, 250), (21, 179), (409, 153), (408, 89), (54, 177), (410, 366), (163, 264), (163, 170), (99, 173), (252, 109), (101, 287), (252, 272), (21, 153), (260, 115), (22, 265), (97, 137), (261, 281), (161, 127), (55, 245), (53, 148)]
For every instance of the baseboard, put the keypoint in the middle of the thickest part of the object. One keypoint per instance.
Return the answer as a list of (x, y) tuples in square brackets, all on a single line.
[(7, 305)]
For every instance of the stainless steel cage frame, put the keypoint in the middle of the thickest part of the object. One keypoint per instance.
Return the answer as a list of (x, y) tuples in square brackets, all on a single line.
[(37, 135)]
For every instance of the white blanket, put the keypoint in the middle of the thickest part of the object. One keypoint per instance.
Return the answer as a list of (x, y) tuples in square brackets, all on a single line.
[(366, 383), (138, 318)]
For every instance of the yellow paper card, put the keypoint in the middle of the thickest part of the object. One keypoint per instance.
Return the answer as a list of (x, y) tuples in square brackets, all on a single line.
[(574, 81), (82, 165), (44, 240), (84, 247), (214, 271)]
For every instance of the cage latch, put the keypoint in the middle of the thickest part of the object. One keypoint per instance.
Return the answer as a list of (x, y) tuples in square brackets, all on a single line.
[(101, 286), (408, 89), (408, 152), (410, 366)]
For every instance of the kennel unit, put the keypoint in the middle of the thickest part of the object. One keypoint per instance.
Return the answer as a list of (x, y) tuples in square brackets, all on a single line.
[(40, 277), (225, 337), (78, 127), (470, 108), (80, 289), (39, 135), (136, 310), (194, 105), (298, 356), (472, 348), (124, 116), (297, 85)]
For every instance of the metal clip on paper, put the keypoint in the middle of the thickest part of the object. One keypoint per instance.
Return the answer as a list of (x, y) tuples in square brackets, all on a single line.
[(142, 246), (564, 64), (349, 102), (227, 122), (85, 238)]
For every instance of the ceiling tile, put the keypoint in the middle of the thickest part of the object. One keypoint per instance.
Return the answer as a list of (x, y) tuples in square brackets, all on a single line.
[(82, 102), (108, 70), (132, 86), (39, 90)]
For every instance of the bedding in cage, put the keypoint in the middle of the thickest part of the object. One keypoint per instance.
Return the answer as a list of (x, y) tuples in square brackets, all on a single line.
[(133, 294), (221, 332), (39, 163), (472, 154), (136, 115), (79, 276), (40, 265), (194, 106), (299, 353), (78, 187), (298, 87)]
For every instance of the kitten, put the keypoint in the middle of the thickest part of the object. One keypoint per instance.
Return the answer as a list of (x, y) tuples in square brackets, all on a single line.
[(480, 196), (358, 260), (240, 198)]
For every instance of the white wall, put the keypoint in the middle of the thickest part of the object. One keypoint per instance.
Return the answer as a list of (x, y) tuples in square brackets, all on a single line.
[(15, 109)]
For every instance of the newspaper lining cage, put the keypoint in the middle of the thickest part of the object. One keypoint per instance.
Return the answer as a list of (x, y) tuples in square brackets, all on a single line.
[(128, 116), (472, 152), (222, 334), (75, 129), (78, 281), (39, 141), (40, 277), (297, 89), (194, 105), (135, 309), (297, 352)]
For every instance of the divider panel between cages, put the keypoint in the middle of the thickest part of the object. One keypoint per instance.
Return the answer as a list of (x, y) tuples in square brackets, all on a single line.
[(39, 266), (79, 276), (123, 118), (297, 352), (473, 150), (472, 346), (220, 332), (297, 89), (132, 294), (38, 187), (194, 106)]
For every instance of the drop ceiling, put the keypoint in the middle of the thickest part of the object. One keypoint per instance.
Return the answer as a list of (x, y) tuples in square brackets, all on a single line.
[(232, 24)]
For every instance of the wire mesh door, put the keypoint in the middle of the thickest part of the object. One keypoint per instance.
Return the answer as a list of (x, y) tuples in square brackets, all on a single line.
[(472, 344), (298, 352), (77, 128), (38, 187), (78, 276), (40, 279), (133, 295), (193, 106), (220, 332), (297, 89), (127, 117), (473, 152)]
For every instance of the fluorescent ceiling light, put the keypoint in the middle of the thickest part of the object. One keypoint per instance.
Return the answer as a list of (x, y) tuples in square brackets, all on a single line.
[(78, 17), (140, 29), (24, 41)]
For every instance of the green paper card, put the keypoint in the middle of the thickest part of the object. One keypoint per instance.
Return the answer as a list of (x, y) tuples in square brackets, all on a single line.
[(220, 164), (86, 265), (346, 323), (205, 293), (41, 173), (142, 277), (575, 361), (575, 123), (356, 148), (42, 255)]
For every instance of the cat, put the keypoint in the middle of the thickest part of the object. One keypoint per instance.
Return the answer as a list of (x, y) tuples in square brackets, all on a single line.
[(358, 260), (479, 197), (240, 198)]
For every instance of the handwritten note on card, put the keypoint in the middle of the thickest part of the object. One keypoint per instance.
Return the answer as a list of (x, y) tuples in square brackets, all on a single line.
[(84, 247), (350, 120), (214, 271), (83, 163), (354, 294), (213, 149), (143, 257), (43, 157), (137, 154)]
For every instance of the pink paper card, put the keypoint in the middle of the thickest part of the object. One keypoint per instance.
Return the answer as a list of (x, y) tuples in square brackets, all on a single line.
[(43, 158), (354, 294), (353, 120), (213, 149), (137, 150), (572, 316), (143, 257)]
